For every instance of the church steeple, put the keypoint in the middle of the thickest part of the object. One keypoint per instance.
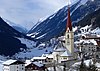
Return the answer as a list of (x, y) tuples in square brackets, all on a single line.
[(69, 24), (69, 35)]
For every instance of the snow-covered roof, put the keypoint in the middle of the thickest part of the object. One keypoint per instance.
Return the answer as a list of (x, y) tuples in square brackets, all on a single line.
[(66, 53), (60, 50), (98, 35), (50, 56), (27, 62), (38, 64), (43, 58), (47, 55), (89, 41), (76, 42), (62, 38), (8, 62)]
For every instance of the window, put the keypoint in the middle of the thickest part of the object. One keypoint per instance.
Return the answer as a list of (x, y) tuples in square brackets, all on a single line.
[(64, 58), (67, 36), (22, 68)]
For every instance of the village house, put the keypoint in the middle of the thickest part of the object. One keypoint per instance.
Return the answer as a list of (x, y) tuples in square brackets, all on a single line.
[(49, 57), (39, 59), (13, 65), (34, 66), (88, 46)]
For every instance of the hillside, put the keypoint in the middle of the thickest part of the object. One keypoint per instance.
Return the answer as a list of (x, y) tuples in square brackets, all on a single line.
[(9, 44), (55, 25), (91, 19)]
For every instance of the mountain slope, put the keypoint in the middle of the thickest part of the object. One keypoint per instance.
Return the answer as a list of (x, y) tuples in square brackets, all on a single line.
[(9, 44), (91, 19), (55, 25), (16, 26)]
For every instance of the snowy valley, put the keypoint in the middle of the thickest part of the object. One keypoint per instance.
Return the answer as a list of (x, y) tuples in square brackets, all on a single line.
[(48, 36)]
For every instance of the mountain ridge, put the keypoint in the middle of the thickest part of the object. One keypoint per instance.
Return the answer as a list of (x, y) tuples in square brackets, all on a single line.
[(9, 44), (55, 25)]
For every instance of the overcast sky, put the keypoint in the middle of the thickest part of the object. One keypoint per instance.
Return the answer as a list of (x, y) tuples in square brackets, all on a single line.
[(24, 12)]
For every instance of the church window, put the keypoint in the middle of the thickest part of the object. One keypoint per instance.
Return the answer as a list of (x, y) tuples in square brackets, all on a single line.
[(67, 36)]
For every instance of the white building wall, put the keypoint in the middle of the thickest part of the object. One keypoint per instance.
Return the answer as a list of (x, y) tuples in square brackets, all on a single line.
[(20, 67), (6, 68), (69, 44), (56, 56)]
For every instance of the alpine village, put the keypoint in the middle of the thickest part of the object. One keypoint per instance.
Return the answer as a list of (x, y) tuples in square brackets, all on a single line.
[(58, 43)]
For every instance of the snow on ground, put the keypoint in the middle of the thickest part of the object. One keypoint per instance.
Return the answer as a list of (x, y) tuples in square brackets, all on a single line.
[(74, 29), (41, 36), (2, 57), (83, 2), (32, 50), (30, 53), (28, 43), (87, 62), (97, 31)]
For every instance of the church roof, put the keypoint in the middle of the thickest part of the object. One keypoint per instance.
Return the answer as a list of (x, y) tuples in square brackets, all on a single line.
[(66, 53), (60, 50), (69, 24)]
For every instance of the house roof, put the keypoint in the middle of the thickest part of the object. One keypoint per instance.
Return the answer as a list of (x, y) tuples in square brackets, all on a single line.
[(66, 53), (27, 62), (38, 64), (38, 58), (60, 50), (12, 62), (9, 62), (50, 56)]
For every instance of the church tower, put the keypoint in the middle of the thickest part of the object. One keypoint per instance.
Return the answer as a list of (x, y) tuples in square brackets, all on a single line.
[(69, 35)]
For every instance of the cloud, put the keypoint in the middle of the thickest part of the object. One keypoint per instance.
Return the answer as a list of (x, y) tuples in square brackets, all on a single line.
[(24, 12)]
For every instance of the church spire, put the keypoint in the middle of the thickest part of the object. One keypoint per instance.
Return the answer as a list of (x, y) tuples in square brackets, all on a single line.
[(69, 24)]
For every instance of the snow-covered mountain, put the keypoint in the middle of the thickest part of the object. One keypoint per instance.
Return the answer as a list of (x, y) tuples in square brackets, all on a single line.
[(17, 45), (9, 44), (16, 26), (92, 19), (55, 24)]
